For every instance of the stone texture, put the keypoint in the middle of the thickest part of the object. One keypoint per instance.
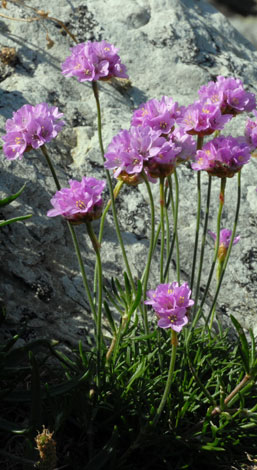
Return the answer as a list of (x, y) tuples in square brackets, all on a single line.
[(170, 47)]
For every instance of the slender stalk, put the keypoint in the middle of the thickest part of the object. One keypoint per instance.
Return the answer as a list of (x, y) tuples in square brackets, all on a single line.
[(175, 220), (230, 245), (174, 342), (73, 236), (203, 242), (100, 235), (107, 207), (49, 163), (166, 278), (221, 203), (188, 332), (198, 217), (99, 337), (197, 227), (176, 227), (99, 126), (162, 202), (156, 238), (150, 251)]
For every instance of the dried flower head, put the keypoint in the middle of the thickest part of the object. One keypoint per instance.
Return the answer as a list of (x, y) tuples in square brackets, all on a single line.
[(46, 447)]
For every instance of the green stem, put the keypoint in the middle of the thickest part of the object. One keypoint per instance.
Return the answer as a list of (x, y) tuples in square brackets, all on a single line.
[(230, 244), (176, 227), (217, 243), (162, 202), (100, 235), (47, 157), (107, 207), (117, 228), (73, 236), (188, 331), (166, 278), (203, 242), (175, 220), (156, 238), (198, 217), (99, 338), (150, 251), (174, 342)]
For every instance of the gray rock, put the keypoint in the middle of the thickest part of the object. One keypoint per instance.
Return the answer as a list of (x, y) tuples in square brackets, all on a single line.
[(170, 47)]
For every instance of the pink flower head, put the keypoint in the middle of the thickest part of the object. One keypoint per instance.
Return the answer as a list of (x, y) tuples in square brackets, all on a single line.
[(159, 115), (79, 203), (127, 152), (171, 303), (140, 148), (185, 142), (93, 61), (225, 239), (202, 119), (229, 95), (251, 132), (31, 127), (223, 156)]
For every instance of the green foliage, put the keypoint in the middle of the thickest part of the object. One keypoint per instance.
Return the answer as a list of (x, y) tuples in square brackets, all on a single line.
[(9, 200), (109, 427)]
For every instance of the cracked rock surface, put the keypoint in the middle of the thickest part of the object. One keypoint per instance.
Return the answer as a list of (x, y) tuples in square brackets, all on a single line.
[(170, 47)]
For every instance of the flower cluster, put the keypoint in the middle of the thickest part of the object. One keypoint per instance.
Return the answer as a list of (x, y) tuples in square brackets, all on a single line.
[(91, 61), (82, 202), (225, 239), (219, 102), (202, 119), (229, 95), (151, 144), (159, 115), (222, 157), (140, 148), (31, 127), (251, 132), (171, 303)]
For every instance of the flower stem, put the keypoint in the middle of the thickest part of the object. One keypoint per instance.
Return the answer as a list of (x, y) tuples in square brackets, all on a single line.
[(51, 167), (176, 227), (188, 332), (175, 220), (162, 202), (174, 342), (203, 241), (224, 264), (198, 217), (117, 228), (221, 204), (73, 236), (99, 338), (150, 251), (100, 235)]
